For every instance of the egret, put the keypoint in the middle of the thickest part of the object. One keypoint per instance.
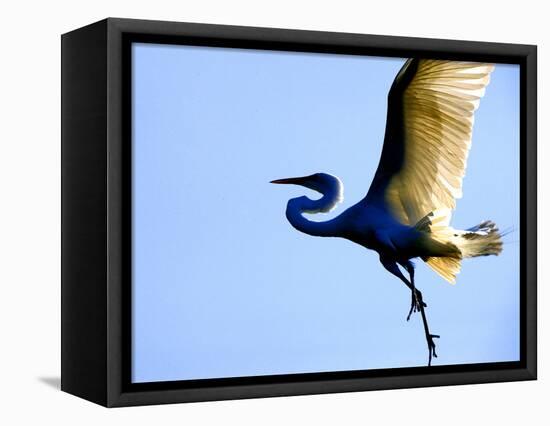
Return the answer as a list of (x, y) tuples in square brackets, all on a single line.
[(407, 210)]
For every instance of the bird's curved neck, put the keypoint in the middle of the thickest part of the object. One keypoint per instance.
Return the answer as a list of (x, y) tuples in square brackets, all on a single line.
[(296, 207)]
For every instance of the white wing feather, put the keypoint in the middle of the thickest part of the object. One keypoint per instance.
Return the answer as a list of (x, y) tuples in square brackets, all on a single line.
[(438, 117)]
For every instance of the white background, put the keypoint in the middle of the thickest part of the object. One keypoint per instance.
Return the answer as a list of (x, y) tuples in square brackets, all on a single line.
[(30, 210)]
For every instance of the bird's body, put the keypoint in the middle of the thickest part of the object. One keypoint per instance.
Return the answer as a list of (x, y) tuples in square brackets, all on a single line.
[(371, 226), (407, 211)]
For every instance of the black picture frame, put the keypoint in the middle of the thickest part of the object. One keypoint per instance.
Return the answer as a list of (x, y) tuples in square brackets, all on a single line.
[(96, 165)]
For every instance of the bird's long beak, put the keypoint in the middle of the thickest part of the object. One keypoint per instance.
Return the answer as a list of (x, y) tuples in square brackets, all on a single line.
[(294, 180)]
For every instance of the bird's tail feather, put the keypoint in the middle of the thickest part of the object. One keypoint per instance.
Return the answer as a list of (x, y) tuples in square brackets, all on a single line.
[(447, 267), (481, 240)]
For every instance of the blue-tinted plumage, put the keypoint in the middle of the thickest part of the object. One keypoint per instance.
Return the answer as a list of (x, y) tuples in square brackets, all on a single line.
[(407, 210)]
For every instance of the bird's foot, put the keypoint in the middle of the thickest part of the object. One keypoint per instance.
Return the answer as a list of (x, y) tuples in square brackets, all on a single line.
[(431, 347), (416, 303)]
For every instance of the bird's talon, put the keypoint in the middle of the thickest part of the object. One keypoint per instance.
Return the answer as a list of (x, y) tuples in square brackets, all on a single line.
[(416, 304)]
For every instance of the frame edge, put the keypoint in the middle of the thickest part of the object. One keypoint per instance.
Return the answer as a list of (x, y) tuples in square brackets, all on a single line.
[(83, 213)]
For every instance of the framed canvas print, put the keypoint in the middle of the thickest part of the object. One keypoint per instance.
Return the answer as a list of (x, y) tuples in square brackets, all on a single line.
[(210, 249)]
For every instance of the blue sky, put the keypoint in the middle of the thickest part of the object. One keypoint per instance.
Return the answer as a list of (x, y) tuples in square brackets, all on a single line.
[(223, 286)]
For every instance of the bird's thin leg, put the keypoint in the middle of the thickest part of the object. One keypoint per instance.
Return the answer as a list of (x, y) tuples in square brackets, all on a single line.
[(392, 267), (419, 305), (415, 300)]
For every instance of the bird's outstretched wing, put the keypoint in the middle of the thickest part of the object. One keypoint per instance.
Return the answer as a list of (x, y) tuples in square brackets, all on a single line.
[(431, 107)]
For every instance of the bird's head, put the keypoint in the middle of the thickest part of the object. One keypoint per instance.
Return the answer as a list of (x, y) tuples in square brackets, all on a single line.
[(319, 182), (330, 186)]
